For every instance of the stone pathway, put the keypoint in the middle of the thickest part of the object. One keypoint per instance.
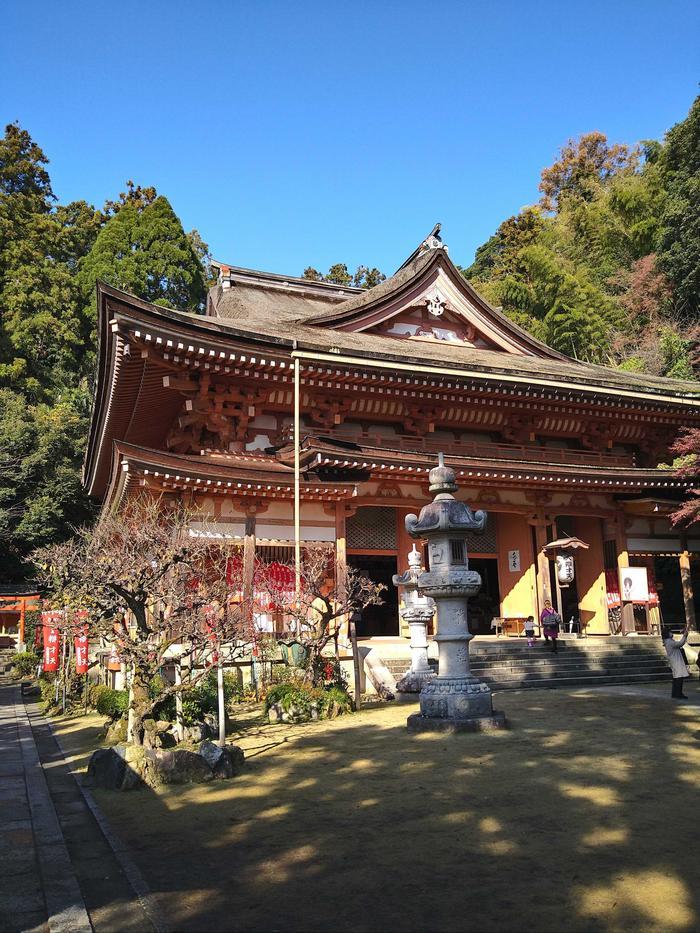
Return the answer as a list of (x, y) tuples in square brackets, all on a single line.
[(57, 871), (38, 887)]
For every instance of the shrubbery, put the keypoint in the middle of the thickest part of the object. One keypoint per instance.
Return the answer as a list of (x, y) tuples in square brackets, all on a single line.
[(108, 702), (25, 663), (298, 698), (47, 686), (198, 701)]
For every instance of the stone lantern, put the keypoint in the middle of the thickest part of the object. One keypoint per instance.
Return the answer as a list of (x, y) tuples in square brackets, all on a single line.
[(455, 700), (417, 611)]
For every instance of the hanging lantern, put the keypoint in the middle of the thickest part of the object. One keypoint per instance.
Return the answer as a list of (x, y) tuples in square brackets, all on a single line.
[(565, 569)]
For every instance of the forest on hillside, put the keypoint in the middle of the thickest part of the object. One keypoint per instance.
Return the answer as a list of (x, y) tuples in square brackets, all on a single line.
[(605, 268)]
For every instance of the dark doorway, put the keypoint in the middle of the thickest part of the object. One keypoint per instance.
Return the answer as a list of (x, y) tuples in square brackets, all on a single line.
[(486, 604), (668, 585), (384, 619)]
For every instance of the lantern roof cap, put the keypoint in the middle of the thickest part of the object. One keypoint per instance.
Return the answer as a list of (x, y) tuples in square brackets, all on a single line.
[(564, 544), (444, 514)]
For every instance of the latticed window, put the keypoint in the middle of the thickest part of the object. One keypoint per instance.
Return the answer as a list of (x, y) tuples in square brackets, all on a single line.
[(372, 528), (484, 543)]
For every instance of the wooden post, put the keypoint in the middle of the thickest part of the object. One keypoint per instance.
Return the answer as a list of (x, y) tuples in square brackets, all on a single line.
[(249, 565), (341, 568), (355, 665), (179, 723), (623, 560), (22, 617), (687, 584), (543, 584)]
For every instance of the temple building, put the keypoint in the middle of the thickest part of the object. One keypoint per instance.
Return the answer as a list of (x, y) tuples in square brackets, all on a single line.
[(298, 411)]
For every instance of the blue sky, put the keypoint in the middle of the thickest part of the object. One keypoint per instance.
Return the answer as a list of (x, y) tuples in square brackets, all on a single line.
[(293, 133)]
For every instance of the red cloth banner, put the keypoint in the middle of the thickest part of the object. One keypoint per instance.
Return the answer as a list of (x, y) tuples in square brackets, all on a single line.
[(277, 584), (81, 643), (612, 587), (653, 592), (52, 639)]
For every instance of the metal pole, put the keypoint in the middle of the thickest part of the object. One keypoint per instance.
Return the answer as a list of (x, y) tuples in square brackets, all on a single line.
[(222, 704), (178, 701), (355, 665), (297, 490), (63, 672)]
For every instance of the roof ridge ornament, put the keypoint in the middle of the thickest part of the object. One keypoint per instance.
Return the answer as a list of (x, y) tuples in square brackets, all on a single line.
[(433, 240)]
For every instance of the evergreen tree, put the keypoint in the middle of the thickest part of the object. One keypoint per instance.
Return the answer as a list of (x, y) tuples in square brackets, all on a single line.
[(143, 249), (610, 272), (50, 258), (364, 277), (679, 239)]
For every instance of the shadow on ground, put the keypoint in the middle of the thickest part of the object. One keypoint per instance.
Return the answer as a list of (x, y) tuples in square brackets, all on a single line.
[(582, 817)]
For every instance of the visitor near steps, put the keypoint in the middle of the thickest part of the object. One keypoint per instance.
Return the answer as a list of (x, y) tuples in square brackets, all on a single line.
[(550, 620), (676, 658), (530, 631)]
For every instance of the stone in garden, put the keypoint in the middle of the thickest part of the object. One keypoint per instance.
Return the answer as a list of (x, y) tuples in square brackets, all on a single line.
[(196, 733), (181, 766), (115, 733), (106, 769), (224, 762), (166, 739), (211, 753)]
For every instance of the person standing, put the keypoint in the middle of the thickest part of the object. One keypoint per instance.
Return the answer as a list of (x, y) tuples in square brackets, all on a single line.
[(530, 631), (676, 658), (550, 619)]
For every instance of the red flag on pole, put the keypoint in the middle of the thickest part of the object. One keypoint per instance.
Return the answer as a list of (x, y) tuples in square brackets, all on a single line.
[(52, 639), (81, 642)]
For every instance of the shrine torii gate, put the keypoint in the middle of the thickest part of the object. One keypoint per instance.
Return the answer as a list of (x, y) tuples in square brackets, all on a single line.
[(13, 613)]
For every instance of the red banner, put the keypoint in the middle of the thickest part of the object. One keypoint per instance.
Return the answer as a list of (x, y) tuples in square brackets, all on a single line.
[(612, 586), (113, 660), (81, 642), (52, 639), (81, 654)]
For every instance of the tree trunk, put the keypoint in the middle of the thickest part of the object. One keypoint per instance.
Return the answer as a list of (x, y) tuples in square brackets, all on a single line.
[(138, 707)]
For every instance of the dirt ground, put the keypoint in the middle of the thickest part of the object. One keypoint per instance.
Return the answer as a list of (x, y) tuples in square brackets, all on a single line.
[(583, 816)]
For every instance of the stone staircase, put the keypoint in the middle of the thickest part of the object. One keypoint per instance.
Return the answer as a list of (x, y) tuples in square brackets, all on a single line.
[(511, 665)]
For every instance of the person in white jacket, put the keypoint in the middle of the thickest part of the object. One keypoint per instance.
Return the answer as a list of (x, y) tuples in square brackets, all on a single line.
[(676, 658)]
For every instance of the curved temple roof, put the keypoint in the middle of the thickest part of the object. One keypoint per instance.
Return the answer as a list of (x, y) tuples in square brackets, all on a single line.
[(258, 320)]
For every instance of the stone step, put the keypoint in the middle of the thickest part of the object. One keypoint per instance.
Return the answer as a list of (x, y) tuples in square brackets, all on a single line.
[(522, 648), (571, 669), (398, 666), (589, 681)]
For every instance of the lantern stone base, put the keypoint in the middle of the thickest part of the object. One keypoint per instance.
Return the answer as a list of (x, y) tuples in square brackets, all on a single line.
[(414, 681), (419, 723), (456, 704)]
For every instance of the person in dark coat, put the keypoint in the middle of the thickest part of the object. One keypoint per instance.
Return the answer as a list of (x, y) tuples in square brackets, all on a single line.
[(676, 658)]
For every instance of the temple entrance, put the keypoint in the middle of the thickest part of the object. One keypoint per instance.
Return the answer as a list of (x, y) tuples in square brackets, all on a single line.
[(668, 585), (384, 619), (486, 604)]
